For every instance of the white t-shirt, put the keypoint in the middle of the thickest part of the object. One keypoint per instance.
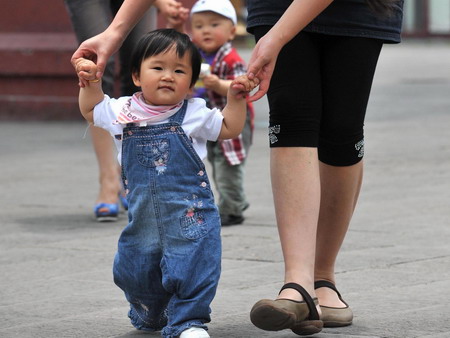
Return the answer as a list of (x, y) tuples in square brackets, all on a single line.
[(200, 123)]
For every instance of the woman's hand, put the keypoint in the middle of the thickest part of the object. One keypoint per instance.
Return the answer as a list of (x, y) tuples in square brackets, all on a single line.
[(97, 49), (265, 54), (262, 64), (100, 47), (174, 12)]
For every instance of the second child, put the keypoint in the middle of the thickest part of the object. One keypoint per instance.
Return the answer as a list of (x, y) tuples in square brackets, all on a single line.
[(213, 26), (168, 258)]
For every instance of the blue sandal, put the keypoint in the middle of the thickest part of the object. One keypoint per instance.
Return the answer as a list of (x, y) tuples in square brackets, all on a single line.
[(106, 212)]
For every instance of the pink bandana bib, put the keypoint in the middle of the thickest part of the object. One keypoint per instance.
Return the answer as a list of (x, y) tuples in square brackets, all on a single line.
[(136, 110)]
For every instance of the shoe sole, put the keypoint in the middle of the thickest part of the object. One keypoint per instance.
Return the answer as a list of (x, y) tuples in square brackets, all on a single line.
[(107, 219), (266, 317), (336, 324), (308, 327)]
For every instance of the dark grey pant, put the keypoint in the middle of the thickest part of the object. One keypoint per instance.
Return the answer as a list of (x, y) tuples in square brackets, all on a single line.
[(229, 179)]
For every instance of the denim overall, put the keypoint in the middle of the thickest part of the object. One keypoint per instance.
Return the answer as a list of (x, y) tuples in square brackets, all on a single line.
[(168, 258)]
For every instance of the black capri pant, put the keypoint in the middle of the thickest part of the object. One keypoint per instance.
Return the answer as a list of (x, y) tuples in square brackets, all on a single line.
[(319, 92)]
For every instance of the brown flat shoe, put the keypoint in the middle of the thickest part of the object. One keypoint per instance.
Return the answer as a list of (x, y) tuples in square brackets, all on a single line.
[(334, 316), (275, 315)]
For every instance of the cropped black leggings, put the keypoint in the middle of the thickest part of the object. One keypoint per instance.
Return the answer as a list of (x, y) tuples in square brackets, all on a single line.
[(319, 92)]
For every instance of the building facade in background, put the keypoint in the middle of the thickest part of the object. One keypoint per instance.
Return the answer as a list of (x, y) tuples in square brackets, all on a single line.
[(37, 80), (426, 18)]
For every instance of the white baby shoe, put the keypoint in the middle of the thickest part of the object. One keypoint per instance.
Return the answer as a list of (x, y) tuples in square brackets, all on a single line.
[(194, 332)]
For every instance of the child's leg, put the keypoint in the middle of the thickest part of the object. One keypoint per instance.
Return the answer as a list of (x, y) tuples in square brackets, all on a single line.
[(137, 272), (191, 269), (229, 181)]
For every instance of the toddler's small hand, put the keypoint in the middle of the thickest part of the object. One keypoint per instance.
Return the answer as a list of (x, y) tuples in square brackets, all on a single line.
[(242, 85), (86, 70), (211, 81)]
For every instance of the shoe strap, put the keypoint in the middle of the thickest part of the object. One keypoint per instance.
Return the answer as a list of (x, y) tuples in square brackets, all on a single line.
[(313, 314), (326, 284)]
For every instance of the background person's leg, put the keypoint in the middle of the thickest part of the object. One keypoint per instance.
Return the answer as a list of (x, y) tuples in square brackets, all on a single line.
[(109, 169), (88, 19)]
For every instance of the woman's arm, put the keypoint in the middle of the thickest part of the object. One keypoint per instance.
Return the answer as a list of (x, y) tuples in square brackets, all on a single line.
[(264, 56)]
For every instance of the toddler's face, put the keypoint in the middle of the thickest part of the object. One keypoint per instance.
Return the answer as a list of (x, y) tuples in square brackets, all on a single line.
[(211, 30), (165, 78)]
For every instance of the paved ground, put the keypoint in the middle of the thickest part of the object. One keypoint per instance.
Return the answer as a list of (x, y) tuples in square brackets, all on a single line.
[(394, 268)]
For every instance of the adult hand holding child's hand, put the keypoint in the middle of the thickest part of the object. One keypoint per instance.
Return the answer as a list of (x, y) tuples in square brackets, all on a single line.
[(86, 71), (241, 86)]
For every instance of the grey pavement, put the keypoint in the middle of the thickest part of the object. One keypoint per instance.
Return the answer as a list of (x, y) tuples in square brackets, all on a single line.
[(394, 267)]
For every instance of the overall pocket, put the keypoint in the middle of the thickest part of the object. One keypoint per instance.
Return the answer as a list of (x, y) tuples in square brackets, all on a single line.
[(153, 153), (193, 224)]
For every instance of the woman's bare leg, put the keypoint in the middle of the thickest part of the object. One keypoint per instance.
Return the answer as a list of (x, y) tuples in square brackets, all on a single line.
[(108, 166), (339, 195), (296, 192)]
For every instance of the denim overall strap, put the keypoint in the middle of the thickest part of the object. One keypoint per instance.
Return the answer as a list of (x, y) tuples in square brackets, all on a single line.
[(179, 115)]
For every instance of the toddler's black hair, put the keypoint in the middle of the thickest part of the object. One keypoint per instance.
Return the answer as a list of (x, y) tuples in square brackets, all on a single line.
[(160, 41)]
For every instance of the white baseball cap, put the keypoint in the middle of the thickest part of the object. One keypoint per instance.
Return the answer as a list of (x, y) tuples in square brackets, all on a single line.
[(222, 7)]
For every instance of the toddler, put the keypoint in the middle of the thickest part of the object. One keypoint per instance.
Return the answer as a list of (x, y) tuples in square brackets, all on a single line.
[(213, 26), (168, 258)]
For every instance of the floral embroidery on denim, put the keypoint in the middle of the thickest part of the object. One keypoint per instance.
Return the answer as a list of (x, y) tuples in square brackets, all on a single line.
[(193, 224), (195, 203), (154, 153), (272, 131), (160, 166)]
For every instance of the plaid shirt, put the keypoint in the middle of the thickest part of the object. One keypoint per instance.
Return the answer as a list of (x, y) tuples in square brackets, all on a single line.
[(227, 65)]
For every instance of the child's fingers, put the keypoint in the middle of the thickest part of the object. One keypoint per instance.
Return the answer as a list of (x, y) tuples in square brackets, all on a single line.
[(255, 82), (87, 75), (84, 64), (86, 78), (238, 87), (83, 83), (86, 68), (243, 83), (86, 71), (249, 84)]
